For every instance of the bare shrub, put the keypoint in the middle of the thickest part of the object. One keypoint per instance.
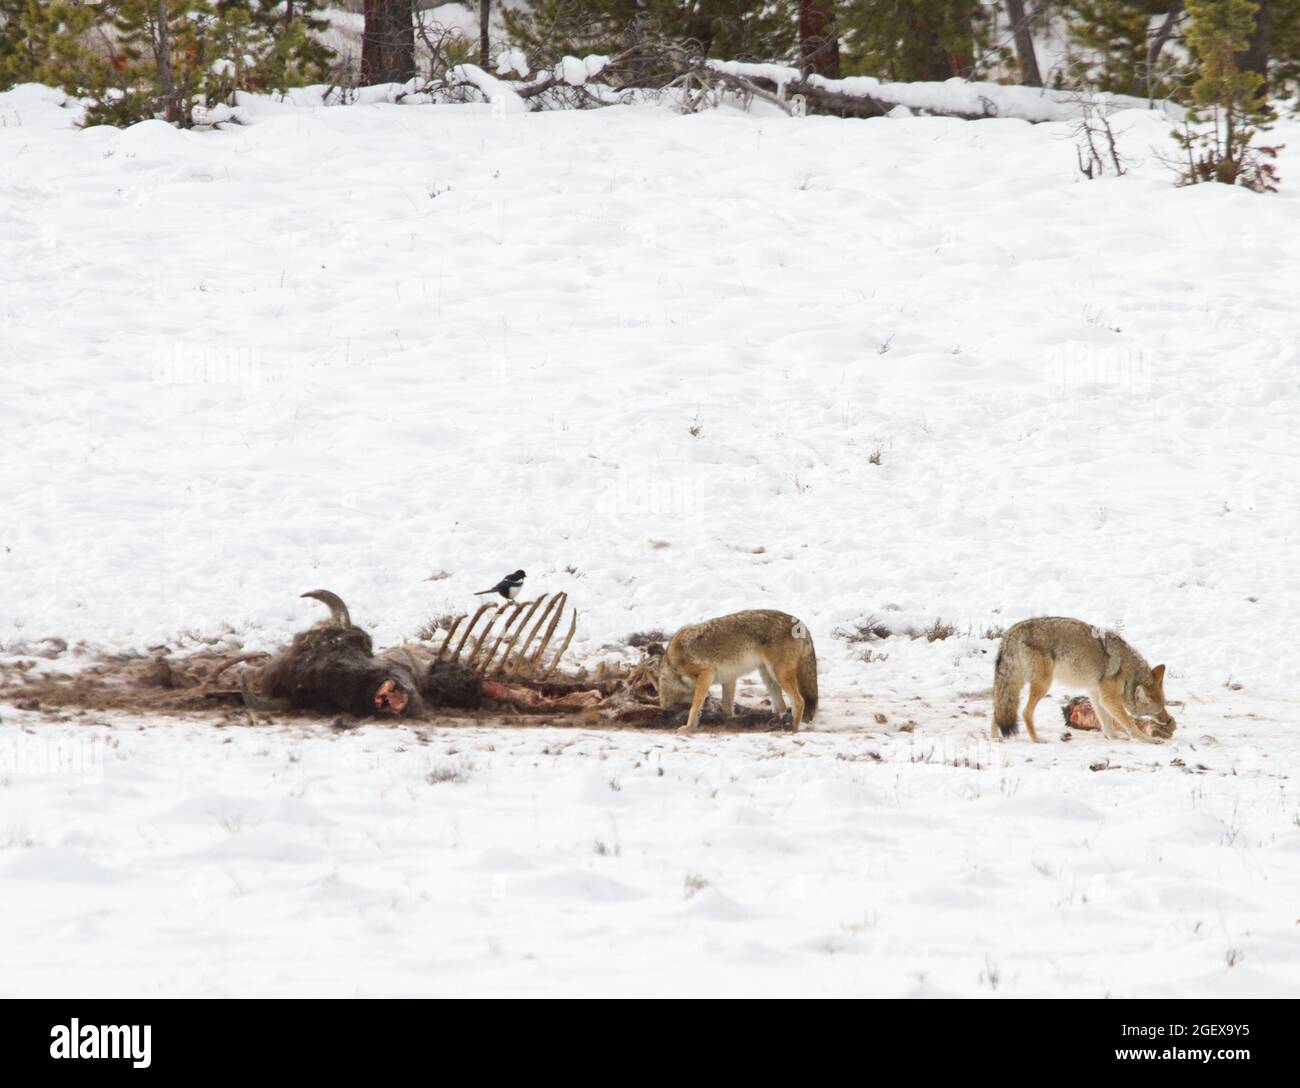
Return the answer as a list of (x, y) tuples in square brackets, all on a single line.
[(694, 884), (938, 631), (428, 630), (1095, 141), (864, 630)]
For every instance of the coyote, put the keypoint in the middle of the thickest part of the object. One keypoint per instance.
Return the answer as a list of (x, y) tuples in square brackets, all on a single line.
[(724, 649), (1119, 682)]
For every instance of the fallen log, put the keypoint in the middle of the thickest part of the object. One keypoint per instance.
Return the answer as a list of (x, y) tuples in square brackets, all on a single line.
[(865, 96)]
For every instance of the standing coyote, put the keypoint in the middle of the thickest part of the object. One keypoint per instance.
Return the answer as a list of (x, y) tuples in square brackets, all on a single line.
[(724, 649), (1119, 682)]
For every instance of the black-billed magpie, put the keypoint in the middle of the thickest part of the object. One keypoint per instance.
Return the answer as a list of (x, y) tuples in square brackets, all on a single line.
[(508, 587)]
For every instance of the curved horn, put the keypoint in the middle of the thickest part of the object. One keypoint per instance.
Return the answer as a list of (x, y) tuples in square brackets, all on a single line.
[(332, 601)]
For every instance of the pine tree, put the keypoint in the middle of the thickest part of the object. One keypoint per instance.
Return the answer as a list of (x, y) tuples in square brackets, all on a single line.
[(1228, 108), (919, 40), (547, 30), (1274, 50), (278, 35), (20, 54), (68, 44), (1284, 49), (1120, 45), (136, 59)]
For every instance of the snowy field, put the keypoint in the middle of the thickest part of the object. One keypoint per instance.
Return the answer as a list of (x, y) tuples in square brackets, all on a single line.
[(906, 370)]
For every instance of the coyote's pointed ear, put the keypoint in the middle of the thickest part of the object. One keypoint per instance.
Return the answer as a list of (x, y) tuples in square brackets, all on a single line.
[(1158, 674)]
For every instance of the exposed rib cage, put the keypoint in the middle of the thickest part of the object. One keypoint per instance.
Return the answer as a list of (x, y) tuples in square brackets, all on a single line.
[(517, 657)]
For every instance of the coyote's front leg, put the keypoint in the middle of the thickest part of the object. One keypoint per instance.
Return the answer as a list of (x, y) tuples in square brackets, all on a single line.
[(1113, 701), (702, 684), (1110, 728)]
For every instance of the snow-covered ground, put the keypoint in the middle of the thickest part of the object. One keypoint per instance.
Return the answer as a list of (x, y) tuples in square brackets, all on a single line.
[(653, 360), (854, 860)]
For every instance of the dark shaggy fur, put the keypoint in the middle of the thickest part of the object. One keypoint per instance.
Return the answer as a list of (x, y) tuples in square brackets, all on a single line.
[(450, 683), (332, 668)]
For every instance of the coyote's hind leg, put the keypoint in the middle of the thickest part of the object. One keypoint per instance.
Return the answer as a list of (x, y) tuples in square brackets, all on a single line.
[(1039, 685), (729, 697), (773, 690)]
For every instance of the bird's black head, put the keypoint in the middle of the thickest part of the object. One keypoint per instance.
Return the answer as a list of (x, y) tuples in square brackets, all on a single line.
[(518, 576)]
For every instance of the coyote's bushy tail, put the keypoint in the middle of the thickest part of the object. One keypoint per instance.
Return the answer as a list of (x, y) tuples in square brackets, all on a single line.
[(1008, 679), (807, 677)]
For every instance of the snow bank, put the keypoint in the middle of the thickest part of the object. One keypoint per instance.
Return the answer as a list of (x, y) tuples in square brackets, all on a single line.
[(512, 61), (502, 97), (33, 105), (575, 71)]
